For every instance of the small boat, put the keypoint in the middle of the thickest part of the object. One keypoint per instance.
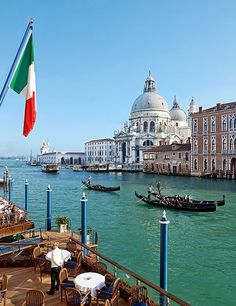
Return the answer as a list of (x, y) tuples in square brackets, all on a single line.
[(50, 168), (181, 203), (100, 187)]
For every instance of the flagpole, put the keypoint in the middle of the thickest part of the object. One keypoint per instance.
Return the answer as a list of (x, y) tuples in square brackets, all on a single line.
[(16, 59)]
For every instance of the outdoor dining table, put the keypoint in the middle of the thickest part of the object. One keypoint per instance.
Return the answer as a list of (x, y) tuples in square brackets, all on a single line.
[(65, 255), (89, 281)]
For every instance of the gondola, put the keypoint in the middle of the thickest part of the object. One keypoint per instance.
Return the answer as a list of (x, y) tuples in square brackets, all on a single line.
[(180, 203), (100, 187)]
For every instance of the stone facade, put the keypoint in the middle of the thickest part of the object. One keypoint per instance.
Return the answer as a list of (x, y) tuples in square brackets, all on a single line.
[(150, 123), (99, 151), (214, 141), (168, 159)]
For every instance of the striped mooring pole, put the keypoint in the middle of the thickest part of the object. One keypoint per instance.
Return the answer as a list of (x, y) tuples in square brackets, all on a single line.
[(84, 221), (49, 208), (164, 222), (26, 195)]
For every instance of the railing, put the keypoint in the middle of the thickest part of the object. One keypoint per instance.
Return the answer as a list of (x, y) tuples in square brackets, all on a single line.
[(133, 274)]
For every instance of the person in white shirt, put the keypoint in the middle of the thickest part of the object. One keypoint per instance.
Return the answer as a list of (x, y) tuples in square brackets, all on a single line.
[(56, 259)]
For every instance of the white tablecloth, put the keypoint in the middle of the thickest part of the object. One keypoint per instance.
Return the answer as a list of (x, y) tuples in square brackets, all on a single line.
[(65, 255), (90, 281)]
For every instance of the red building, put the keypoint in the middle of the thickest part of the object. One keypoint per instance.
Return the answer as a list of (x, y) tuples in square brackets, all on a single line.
[(213, 141)]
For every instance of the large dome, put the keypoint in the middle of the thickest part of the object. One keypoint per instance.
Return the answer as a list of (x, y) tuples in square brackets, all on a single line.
[(176, 113), (149, 100)]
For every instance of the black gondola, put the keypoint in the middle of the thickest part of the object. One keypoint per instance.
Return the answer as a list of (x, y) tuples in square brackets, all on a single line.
[(180, 203), (100, 187)]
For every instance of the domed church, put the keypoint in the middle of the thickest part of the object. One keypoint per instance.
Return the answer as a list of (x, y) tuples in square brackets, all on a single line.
[(150, 123)]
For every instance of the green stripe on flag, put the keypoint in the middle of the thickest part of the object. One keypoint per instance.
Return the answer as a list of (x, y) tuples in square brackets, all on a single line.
[(20, 77)]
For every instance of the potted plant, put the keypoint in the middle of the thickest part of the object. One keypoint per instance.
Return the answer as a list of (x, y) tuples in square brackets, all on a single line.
[(89, 232), (62, 222)]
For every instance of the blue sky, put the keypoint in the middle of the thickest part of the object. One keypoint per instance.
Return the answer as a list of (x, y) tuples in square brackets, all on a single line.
[(92, 58)]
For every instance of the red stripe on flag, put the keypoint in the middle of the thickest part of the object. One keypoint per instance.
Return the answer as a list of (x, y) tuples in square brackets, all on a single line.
[(30, 115)]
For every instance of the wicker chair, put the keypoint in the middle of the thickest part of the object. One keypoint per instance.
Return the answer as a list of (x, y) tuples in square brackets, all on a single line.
[(99, 267), (109, 293), (45, 268), (71, 246), (64, 282), (74, 266), (138, 296), (3, 289), (34, 298), (74, 297), (38, 257)]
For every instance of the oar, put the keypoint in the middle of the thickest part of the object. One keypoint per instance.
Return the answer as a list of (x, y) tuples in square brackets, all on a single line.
[(142, 198)]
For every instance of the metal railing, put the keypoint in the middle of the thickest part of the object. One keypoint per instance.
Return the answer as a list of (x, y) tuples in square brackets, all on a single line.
[(133, 274)]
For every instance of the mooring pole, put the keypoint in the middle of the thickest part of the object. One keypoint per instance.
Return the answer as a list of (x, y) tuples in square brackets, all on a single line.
[(9, 189), (49, 208), (164, 257), (84, 221), (26, 195)]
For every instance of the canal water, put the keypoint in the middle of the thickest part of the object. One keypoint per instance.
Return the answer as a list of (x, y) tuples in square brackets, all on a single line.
[(202, 246)]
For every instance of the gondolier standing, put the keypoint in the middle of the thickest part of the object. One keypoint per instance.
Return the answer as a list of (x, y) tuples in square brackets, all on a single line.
[(159, 188), (89, 180), (150, 190)]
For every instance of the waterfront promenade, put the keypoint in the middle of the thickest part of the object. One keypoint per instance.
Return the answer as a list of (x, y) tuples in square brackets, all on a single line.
[(199, 244)]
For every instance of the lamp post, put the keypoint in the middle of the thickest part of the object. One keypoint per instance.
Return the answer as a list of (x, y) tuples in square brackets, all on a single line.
[(26, 195), (84, 221), (49, 208), (164, 257)]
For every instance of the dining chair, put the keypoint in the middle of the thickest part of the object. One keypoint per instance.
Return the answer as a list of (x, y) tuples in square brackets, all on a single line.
[(138, 296), (45, 268), (37, 256), (109, 293), (99, 267), (3, 289), (71, 246), (74, 266), (65, 282), (75, 298), (34, 298)]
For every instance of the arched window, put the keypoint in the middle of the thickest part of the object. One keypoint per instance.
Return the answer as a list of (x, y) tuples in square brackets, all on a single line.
[(224, 125), (195, 146), (195, 164), (147, 143), (234, 124), (152, 126), (213, 164), (180, 168), (205, 146), (205, 164), (231, 124), (224, 164), (224, 144), (195, 126), (213, 144), (213, 126), (235, 144), (231, 144), (145, 126), (205, 127)]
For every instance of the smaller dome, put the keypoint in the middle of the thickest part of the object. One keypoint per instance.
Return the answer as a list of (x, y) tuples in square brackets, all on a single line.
[(176, 113)]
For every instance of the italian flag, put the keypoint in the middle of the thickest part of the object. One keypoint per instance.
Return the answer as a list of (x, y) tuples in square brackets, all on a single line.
[(23, 82)]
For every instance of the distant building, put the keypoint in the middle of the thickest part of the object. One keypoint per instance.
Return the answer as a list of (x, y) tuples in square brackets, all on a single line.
[(99, 151), (214, 141), (62, 158), (168, 159), (150, 123)]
